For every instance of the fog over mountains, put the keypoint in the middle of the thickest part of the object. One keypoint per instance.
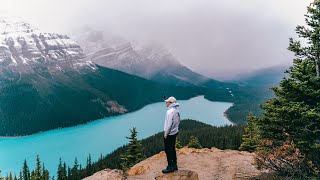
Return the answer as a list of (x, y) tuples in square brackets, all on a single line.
[(151, 61), (214, 38)]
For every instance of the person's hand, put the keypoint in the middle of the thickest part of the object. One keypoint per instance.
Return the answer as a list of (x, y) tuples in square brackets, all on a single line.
[(165, 136)]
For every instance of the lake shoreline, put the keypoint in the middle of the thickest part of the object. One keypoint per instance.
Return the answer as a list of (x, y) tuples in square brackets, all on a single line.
[(101, 136), (59, 128), (227, 117)]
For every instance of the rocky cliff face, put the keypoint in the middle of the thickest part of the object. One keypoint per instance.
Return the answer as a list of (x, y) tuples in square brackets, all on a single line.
[(25, 49), (193, 164)]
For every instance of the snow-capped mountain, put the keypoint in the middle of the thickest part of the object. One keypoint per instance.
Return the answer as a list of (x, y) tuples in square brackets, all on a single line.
[(24, 48), (123, 58), (151, 61), (112, 52), (47, 82)]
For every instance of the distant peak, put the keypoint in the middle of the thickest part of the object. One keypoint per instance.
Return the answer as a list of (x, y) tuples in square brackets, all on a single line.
[(157, 53), (24, 48)]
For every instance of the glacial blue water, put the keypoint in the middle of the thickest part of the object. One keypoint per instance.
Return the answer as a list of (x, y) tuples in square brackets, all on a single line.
[(101, 136)]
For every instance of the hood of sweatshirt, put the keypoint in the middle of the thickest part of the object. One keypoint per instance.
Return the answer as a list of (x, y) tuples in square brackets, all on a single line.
[(174, 105)]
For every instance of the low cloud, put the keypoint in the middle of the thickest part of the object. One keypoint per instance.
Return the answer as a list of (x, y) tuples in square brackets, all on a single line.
[(217, 38)]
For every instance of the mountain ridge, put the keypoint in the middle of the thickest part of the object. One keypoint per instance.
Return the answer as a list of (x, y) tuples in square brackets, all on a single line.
[(48, 74), (150, 61)]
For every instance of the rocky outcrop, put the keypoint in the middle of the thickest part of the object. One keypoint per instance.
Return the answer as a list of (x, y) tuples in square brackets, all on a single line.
[(107, 174), (203, 164)]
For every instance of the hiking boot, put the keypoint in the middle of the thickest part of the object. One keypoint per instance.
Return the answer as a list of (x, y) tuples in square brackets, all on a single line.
[(169, 169), (175, 167)]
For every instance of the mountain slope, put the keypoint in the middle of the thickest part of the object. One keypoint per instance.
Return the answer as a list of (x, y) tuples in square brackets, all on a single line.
[(254, 89), (150, 61), (122, 58), (264, 77), (47, 82), (38, 103), (169, 69)]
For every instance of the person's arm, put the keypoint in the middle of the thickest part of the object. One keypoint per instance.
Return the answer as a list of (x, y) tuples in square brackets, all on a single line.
[(168, 124)]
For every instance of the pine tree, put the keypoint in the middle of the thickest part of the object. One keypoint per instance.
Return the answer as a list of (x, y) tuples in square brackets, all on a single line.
[(37, 173), (75, 171), (45, 173), (26, 171), (10, 176), (33, 175), (295, 111), (134, 153), (59, 173), (69, 172), (62, 171), (250, 138), (194, 143), (89, 169), (178, 143), (65, 173), (101, 163), (20, 176)]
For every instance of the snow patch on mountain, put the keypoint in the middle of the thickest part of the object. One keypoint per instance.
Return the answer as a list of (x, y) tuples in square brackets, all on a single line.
[(24, 47)]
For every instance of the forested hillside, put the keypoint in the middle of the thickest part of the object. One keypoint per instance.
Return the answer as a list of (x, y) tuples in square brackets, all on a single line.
[(246, 99), (37, 102), (253, 90)]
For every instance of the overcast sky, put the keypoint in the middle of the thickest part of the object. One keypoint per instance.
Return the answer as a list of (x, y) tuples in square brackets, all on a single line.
[(214, 37)]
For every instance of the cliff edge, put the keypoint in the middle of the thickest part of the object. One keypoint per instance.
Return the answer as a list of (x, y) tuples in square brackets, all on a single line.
[(193, 164)]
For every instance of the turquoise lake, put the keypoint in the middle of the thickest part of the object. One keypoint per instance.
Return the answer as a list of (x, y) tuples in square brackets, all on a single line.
[(101, 136)]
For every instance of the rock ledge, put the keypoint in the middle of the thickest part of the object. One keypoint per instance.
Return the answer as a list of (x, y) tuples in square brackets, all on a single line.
[(193, 164)]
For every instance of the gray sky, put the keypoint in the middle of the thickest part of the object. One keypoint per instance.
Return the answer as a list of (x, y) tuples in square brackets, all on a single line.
[(219, 38)]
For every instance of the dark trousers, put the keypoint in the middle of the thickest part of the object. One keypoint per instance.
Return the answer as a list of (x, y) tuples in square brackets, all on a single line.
[(170, 149)]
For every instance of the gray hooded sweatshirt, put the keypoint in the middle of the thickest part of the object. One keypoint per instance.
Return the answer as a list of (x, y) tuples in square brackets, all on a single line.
[(172, 121)]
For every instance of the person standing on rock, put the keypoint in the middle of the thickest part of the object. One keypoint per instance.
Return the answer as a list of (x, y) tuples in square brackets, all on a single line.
[(171, 129)]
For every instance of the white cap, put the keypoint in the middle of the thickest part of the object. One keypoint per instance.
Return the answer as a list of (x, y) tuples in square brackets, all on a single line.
[(171, 99)]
